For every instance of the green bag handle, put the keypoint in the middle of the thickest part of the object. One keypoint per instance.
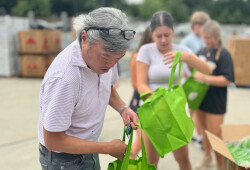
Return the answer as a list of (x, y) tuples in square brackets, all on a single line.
[(160, 90), (143, 95), (144, 155), (176, 61), (124, 164), (194, 71), (171, 79)]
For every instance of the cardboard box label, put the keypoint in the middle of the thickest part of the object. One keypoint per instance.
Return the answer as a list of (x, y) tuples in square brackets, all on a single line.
[(31, 41)]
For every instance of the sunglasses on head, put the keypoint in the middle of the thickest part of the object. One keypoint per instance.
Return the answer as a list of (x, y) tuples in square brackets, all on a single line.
[(127, 34)]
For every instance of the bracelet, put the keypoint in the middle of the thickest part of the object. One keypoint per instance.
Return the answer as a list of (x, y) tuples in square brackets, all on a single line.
[(123, 108)]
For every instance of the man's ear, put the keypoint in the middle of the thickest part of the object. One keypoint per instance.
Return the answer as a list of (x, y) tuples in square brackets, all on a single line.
[(84, 38)]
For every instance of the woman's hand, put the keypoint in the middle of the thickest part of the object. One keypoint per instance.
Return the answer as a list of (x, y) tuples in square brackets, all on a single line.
[(169, 57), (198, 76), (191, 59)]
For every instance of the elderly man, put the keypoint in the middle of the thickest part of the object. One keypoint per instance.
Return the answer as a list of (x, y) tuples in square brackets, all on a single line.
[(76, 90)]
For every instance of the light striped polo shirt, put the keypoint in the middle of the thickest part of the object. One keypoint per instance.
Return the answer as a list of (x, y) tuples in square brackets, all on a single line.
[(73, 98)]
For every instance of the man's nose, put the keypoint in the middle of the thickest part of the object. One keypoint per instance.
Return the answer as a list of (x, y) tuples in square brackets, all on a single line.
[(163, 39), (110, 63)]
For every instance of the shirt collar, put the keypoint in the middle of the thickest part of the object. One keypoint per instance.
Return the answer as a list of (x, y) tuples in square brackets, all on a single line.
[(77, 59)]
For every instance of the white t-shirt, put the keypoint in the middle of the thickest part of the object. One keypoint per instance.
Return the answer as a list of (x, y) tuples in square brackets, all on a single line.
[(73, 98), (158, 72)]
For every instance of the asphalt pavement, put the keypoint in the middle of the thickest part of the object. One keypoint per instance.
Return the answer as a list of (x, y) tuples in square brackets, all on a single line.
[(19, 114)]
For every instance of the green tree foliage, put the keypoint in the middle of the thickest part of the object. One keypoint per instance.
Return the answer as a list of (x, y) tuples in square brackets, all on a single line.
[(237, 17), (40, 7), (75, 7), (120, 4), (199, 5), (133, 10), (7, 5), (149, 7), (178, 9), (225, 11)]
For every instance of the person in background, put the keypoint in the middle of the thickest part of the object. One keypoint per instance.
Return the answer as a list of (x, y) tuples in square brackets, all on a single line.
[(135, 100), (153, 70), (213, 107), (195, 42), (81, 78)]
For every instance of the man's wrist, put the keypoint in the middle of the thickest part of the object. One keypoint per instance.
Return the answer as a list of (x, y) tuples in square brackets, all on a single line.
[(122, 109)]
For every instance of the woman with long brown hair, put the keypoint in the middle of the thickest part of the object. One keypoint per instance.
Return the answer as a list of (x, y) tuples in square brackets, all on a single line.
[(153, 69)]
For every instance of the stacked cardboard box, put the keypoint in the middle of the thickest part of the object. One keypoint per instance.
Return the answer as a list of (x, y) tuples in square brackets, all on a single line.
[(34, 65), (240, 51), (38, 48)]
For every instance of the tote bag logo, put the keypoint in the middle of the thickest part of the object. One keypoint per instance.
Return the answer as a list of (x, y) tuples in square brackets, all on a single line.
[(195, 91), (192, 96), (187, 109)]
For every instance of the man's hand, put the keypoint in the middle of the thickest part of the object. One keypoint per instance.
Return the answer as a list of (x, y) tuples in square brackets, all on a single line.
[(118, 149), (128, 115)]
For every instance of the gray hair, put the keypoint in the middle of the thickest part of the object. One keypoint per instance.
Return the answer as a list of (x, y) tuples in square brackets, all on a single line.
[(104, 17), (161, 18)]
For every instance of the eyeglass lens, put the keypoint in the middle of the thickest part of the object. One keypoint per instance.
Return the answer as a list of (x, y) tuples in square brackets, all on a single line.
[(127, 34), (114, 32)]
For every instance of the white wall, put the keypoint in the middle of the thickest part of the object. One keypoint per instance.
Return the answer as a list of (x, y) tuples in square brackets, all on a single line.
[(9, 45)]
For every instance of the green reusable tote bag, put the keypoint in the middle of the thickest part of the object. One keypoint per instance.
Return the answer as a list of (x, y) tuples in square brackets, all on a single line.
[(131, 164), (165, 116), (195, 91)]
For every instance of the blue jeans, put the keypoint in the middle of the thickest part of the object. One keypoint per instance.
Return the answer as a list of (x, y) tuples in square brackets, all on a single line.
[(63, 161)]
